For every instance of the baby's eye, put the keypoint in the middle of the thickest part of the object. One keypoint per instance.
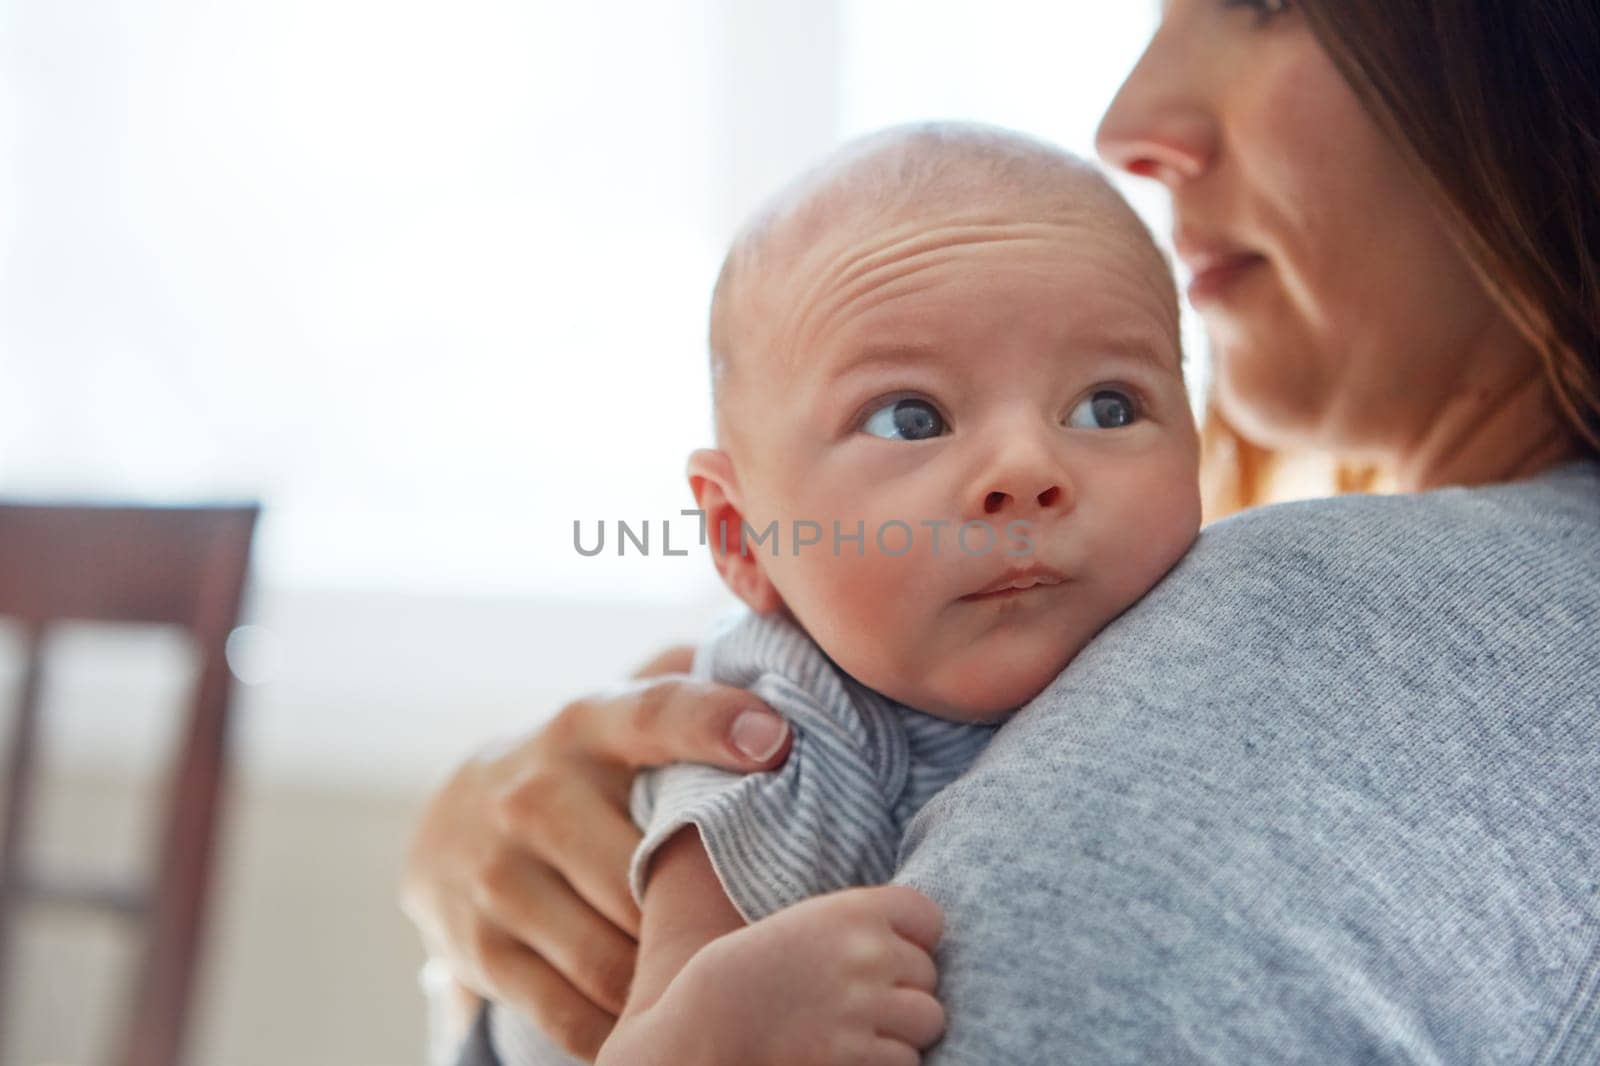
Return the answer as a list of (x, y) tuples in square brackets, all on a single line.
[(907, 419), (1106, 409)]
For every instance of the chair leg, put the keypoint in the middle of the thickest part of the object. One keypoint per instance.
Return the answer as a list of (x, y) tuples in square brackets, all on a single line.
[(19, 789), (178, 917)]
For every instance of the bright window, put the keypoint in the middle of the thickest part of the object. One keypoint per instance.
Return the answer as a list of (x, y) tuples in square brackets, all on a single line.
[(430, 279)]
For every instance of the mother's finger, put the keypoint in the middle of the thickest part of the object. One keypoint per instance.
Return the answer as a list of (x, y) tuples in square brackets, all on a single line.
[(536, 906), (531, 986), (674, 660), (569, 822), (678, 719)]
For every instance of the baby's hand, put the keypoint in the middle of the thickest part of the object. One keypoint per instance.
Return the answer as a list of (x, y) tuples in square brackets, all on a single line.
[(842, 978)]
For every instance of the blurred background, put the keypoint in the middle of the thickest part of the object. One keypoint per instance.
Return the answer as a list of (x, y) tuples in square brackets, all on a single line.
[(429, 281)]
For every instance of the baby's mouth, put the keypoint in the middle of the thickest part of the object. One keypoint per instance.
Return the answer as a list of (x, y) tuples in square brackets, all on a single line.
[(1018, 582)]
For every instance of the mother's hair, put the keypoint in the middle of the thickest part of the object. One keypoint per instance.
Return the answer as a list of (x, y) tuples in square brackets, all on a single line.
[(1495, 105)]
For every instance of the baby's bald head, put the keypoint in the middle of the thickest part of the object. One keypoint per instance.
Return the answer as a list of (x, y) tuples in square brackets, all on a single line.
[(938, 173)]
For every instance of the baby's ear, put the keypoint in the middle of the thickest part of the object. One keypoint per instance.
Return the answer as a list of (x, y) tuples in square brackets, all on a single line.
[(715, 485)]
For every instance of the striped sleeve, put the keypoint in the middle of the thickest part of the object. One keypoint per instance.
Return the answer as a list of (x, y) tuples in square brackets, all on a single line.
[(817, 823)]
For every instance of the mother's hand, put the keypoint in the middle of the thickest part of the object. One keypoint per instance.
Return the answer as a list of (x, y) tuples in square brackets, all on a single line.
[(517, 872)]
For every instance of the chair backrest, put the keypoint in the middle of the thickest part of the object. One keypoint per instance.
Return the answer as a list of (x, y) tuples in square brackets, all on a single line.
[(182, 566)]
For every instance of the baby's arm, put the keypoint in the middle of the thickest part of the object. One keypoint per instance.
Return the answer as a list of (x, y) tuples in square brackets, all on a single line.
[(684, 909), (847, 976)]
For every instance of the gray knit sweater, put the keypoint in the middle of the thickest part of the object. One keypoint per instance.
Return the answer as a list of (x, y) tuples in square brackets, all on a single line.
[(1330, 793)]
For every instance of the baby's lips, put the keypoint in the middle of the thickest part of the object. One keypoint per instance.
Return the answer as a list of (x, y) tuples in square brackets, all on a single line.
[(1020, 577)]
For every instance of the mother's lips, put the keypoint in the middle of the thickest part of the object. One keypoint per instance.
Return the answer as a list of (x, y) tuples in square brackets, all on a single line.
[(1214, 264), (1213, 280)]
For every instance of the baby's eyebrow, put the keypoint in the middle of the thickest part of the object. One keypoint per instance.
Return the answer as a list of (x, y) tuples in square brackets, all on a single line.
[(1140, 348), (873, 356)]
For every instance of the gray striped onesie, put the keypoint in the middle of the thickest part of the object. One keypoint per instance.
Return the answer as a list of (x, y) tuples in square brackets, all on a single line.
[(833, 814)]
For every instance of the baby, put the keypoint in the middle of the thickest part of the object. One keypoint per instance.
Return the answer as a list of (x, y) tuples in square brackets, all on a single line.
[(953, 443)]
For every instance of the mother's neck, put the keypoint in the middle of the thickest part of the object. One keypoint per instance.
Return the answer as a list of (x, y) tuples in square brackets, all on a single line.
[(1500, 423)]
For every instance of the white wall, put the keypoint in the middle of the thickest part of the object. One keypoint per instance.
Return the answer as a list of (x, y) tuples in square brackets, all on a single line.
[(309, 961)]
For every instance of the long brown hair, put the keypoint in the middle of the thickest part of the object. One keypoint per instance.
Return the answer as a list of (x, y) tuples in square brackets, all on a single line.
[(1495, 104)]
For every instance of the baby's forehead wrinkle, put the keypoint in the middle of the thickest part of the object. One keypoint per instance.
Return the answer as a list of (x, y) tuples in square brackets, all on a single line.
[(844, 280), (914, 234), (906, 284)]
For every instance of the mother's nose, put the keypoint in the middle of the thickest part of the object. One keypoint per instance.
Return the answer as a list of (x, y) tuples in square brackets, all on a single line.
[(1159, 125)]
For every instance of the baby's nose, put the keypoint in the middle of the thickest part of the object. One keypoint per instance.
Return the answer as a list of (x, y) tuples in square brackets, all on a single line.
[(998, 501), (1022, 475)]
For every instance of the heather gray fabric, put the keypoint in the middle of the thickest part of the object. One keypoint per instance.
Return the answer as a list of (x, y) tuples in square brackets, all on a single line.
[(1329, 793)]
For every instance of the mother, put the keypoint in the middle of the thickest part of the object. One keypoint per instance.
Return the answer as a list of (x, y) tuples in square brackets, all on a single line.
[(1331, 791)]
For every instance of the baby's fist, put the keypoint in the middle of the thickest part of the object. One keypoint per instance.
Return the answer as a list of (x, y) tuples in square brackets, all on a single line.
[(846, 978)]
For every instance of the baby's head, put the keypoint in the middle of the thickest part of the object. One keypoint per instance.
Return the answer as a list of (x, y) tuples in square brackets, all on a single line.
[(961, 344)]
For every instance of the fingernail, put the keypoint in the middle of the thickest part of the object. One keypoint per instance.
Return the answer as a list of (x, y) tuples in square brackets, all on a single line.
[(758, 734)]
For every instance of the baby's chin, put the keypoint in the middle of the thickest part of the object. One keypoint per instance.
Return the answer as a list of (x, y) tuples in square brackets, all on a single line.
[(961, 692)]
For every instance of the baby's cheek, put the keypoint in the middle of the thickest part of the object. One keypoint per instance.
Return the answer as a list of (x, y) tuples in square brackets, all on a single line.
[(864, 609), (1159, 529), (873, 588)]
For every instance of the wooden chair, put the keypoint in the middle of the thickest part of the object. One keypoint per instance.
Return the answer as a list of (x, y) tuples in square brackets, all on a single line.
[(181, 566)]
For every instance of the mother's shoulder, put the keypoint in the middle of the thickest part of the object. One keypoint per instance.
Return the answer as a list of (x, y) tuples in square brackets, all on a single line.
[(1559, 507), (1386, 557), (1311, 539)]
